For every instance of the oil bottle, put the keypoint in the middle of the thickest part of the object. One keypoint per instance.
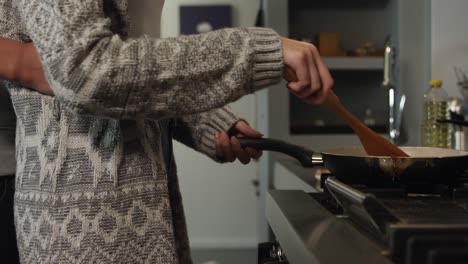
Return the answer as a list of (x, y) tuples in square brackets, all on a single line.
[(436, 106)]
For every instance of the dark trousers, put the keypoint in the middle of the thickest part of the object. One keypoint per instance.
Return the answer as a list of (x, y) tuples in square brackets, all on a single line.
[(8, 246)]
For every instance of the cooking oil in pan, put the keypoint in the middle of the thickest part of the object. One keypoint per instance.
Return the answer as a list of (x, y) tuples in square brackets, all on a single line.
[(435, 134)]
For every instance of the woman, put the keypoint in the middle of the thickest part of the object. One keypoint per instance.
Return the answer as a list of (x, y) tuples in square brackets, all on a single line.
[(96, 179)]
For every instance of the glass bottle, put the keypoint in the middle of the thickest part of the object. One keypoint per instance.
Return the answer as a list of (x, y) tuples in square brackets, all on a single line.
[(435, 134)]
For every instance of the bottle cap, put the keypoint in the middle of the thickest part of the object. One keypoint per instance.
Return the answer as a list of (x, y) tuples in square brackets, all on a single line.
[(435, 83)]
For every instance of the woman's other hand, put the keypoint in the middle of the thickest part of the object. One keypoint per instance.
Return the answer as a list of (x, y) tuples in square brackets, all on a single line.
[(228, 147), (308, 77), (30, 72), (21, 64)]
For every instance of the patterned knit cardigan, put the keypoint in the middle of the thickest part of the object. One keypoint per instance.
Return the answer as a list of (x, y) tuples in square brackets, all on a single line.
[(93, 182)]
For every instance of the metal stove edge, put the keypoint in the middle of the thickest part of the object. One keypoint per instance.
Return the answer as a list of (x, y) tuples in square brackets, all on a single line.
[(310, 234)]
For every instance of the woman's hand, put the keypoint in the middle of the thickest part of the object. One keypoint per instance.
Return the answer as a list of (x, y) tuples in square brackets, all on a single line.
[(228, 149), (30, 72), (22, 65), (308, 77)]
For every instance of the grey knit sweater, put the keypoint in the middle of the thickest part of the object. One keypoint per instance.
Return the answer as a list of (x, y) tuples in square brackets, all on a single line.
[(93, 183)]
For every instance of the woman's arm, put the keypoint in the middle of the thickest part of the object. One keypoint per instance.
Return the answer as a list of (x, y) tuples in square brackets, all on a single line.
[(95, 71)]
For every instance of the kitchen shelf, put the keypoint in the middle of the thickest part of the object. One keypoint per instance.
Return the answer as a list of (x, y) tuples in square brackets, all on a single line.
[(354, 63)]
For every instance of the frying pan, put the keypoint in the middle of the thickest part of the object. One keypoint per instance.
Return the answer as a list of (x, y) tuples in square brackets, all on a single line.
[(352, 165)]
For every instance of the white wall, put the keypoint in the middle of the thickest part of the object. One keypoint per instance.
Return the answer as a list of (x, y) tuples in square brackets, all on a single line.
[(219, 199), (449, 41)]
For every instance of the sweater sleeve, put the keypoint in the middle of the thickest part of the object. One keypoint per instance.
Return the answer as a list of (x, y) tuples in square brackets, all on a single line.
[(92, 70), (198, 131)]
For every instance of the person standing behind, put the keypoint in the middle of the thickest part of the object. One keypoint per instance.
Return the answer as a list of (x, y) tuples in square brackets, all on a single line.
[(96, 179)]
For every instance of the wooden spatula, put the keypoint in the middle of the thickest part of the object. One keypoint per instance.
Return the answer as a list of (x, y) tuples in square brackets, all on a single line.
[(374, 144)]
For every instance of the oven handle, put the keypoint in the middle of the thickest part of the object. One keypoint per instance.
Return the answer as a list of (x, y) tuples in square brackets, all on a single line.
[(360, 206)]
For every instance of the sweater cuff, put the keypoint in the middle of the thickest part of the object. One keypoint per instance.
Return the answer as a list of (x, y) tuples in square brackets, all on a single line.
[(268, 57), (220, 120)]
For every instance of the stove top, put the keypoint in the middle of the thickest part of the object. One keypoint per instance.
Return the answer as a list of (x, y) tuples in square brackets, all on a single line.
[(357, 224), (415, 224)]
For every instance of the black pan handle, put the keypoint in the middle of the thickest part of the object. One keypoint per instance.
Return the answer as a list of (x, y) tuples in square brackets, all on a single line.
[(453, 121), (306, 157)]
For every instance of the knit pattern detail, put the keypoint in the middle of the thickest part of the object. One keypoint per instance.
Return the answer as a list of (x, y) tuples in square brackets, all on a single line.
[(92, 190), (268, 62), (95, 227)]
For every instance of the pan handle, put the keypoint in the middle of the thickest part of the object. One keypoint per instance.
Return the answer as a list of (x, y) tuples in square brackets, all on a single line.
[(453, 121), (305, 156)]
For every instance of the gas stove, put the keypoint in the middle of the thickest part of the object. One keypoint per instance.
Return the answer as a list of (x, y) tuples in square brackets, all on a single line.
[(357, 224)]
